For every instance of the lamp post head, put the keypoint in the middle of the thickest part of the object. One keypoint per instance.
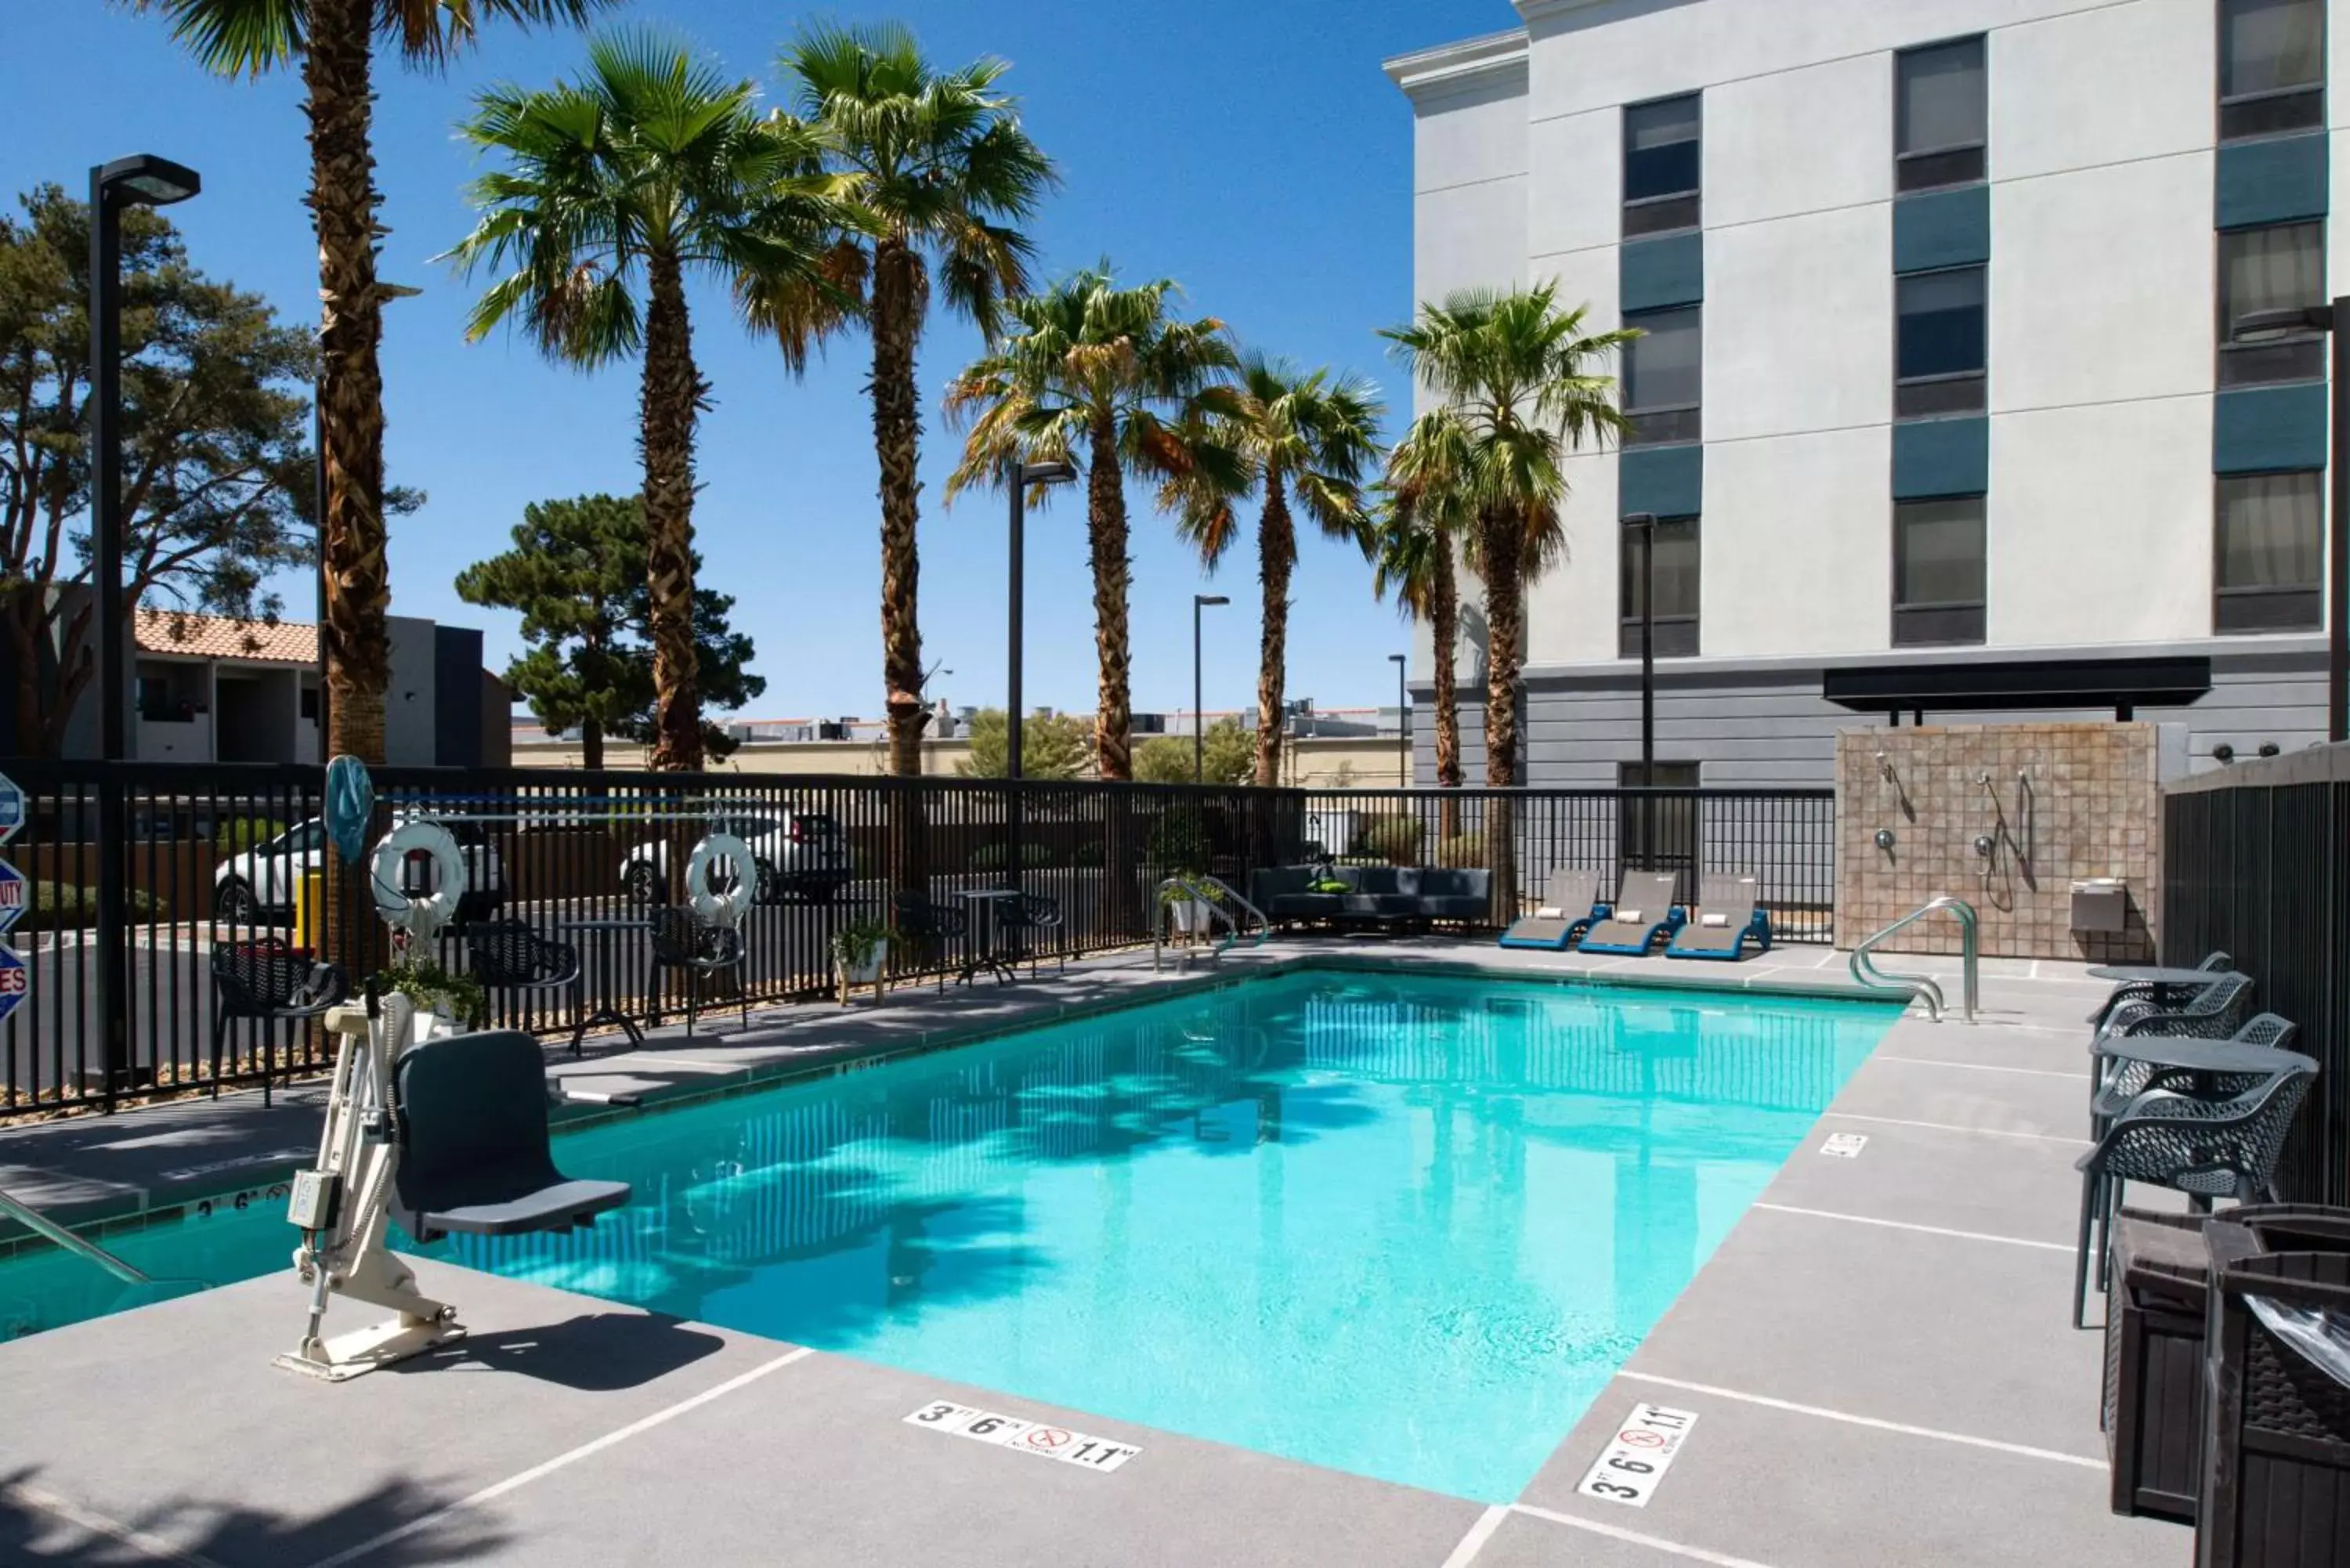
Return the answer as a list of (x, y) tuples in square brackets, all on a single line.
[(2258, 325), (1398, 658), (1210, 599), (1047, 473), (1639, 519), (144, 180)]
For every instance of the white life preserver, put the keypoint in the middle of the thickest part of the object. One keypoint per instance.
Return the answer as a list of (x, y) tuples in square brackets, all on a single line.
[(725, 908), (422, 914)]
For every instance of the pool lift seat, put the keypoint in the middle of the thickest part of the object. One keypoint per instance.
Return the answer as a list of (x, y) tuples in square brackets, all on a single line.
[(447, 1137)]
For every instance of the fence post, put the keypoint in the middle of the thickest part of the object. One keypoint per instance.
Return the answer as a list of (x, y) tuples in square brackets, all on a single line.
[(113, 930)]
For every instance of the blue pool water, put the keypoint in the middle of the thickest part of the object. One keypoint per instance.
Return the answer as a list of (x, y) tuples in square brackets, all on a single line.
[(1403, 1227)]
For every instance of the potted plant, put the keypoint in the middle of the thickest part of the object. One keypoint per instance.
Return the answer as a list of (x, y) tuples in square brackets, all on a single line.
[(859, 950), (1187, 913), (444, 1000)]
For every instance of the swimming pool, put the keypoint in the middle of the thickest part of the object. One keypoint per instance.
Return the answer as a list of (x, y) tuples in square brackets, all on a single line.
[(1407, 1227)]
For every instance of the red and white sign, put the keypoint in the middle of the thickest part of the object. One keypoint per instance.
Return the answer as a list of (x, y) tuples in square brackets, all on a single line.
[(1023, 1437), (15, 982), (15, 895), (1634, 1461)]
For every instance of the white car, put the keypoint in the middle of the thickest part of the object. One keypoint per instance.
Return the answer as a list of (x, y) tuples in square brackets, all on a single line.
[(261, 884), (800, 852)]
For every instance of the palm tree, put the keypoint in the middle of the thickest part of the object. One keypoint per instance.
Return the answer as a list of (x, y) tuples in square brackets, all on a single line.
[(1280, 431), (1104, 378), (941, 161), (336, 40), (1515, 371), (616, 186), (1427, 507)]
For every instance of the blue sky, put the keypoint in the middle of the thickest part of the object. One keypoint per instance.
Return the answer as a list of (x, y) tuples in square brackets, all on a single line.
[(1249, 149)]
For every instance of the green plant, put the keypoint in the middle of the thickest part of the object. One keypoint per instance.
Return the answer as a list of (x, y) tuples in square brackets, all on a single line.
[(1394, 837), (239, 834), (856, 943), (1088, 853), (1179, 842), (991, 857), (1461, 849), (56, 904), (434, 989)]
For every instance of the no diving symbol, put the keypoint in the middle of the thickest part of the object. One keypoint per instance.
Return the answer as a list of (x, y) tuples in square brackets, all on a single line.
[(1639, 1439), (1049, 1439)]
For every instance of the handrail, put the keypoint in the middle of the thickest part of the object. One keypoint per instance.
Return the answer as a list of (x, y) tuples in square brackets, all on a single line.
[(49, 1229), (1215, 893), (1924, 988)]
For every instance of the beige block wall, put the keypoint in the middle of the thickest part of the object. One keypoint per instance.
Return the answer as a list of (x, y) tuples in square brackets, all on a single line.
[(2087, 804), (1319, 762)]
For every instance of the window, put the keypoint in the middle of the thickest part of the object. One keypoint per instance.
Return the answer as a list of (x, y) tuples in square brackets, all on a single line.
[(1661, 149), (310, 704), (1938, 571), (1669, 843), (1675, 572), (1938, 116), (1663, 375), (2271, 66), (2277, 268), (1938, 344), (2270, 552)]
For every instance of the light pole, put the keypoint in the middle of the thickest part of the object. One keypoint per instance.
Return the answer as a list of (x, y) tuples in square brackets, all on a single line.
[(1019, 477), (2270, 324), (141, 180), (1199, 720), (1645, 523), (1403, 718)]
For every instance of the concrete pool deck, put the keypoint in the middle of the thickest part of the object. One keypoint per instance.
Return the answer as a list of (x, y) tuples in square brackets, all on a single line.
[(1878, 1357)]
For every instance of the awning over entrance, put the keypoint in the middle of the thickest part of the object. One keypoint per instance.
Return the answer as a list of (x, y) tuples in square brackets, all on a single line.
[(2121, 684)]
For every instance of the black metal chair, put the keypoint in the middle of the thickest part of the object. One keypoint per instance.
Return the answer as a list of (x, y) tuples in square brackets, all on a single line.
[(269, 982), (2205, 1149), (2215, 962), (930, 927), (507, 956), (683, 940), (1031, 914)]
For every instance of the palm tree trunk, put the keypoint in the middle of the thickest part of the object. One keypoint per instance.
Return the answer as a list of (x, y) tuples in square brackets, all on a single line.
[(673, 389), (1504, 628), (591, 745), (336, 66), (1276, 546), (896, 429), (1106, 501), (1444, 631)]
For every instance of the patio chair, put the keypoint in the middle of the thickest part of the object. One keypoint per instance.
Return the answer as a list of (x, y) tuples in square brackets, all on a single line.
[(2124, 1079), (2205, 1149), (1030, 913), (1727, 918), (1644, 911), (1570, 903), (474, 1156), (2214, 962), (683, 940), (2212, 1013), (507, 956), (929, 928), (271, 983)]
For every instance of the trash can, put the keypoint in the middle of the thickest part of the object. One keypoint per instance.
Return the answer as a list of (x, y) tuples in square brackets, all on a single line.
[(310, 911), (2154, 1363), (2276, 1450)]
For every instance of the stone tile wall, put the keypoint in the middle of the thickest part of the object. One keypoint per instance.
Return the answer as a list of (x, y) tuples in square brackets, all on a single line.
[(2087, 804)]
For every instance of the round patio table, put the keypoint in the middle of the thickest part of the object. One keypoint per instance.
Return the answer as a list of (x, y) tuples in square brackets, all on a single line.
[(983, 953), (2153, 974), (609, 1010), (2200, 1056)]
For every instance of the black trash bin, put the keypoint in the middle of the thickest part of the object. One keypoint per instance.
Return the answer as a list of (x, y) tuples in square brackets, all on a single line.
[(2154, 1363), (2276, 1453)]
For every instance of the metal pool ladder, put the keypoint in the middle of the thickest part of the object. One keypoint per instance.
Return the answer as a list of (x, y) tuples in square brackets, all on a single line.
[(1923, 986), (1243, 922), (40, 1225)]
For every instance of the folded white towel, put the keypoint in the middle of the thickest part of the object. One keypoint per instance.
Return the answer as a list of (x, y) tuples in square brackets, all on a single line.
[(1714, 919), (1550, 912), (1629, 916)]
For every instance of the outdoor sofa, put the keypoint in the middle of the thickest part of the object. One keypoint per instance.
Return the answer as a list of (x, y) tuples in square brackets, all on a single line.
[(1373, 895)]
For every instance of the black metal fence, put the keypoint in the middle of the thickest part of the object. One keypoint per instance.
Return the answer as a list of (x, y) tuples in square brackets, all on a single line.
[(2256, 862), (216, 857)]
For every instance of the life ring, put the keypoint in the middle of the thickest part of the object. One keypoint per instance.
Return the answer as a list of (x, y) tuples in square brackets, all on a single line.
[(725, 908), (419, 914)]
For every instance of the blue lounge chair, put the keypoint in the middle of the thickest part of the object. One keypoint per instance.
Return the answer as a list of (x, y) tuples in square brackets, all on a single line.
[(1570, 906), (1644, 912), (1726, 921)]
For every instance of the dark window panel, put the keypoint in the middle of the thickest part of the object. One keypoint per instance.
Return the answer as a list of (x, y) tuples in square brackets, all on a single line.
[(1930, 171), (1939, 398), (1660, 217), (1941, 324), (2279, 267), (1675, 639), (1678, 549), (2270, 46), (1661, 143), (1663, 367), (2259, 364), (1937, 627), (2270, 552), (1938, 571), (1939, 97), (1665, 427), (2276, 114)]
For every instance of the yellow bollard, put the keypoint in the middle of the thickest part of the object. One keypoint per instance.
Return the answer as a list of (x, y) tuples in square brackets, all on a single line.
[(310, 912)]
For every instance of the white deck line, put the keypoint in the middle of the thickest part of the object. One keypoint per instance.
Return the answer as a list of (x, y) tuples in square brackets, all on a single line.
[(1984, 1067), (98, 1525), (1953, 1127), (1907, 1225), (1479, 1533), (2022, 1450), (594, 1445), (1634, 1537)]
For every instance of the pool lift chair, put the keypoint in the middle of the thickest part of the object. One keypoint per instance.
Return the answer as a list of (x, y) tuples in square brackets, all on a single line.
[(448, 1136)]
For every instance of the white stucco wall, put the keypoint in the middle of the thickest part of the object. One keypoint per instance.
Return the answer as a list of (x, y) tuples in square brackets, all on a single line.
[(1799, 324), (1796, 552)]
